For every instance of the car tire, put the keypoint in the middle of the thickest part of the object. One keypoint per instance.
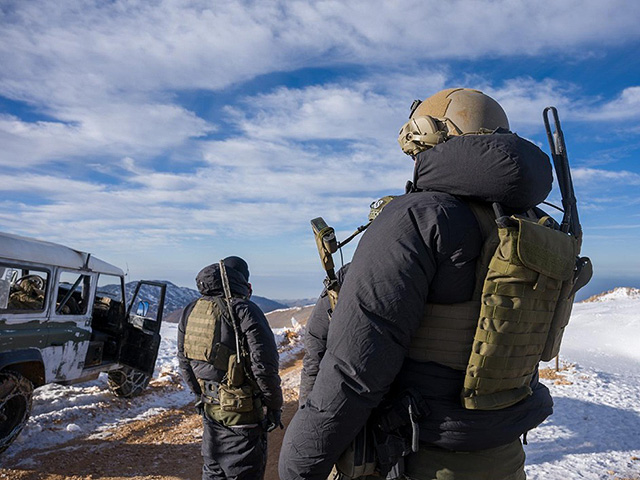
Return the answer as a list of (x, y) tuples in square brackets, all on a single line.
[(127, 382), (16, 393)]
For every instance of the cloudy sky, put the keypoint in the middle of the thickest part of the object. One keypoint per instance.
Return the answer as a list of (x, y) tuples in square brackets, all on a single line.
[(163, 135)]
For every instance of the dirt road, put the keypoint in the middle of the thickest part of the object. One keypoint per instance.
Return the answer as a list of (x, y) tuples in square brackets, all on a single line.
[(162, 447)]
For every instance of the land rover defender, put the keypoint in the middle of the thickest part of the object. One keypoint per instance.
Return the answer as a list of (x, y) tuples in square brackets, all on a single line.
[(64, 319)]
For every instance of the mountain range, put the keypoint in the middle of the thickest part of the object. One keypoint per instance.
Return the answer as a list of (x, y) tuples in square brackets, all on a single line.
[(176, 298)]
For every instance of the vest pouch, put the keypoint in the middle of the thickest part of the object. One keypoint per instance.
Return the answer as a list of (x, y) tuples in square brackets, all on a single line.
[(558, 323), (235, 399), (232, 418), (235, 371), (583, 273), (522, 294)]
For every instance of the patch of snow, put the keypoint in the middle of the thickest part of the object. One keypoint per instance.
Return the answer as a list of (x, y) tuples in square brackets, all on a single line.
[(619, 293), (290, 342)]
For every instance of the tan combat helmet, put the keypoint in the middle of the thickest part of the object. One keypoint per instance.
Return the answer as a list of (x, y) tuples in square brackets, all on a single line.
[(450, 112)]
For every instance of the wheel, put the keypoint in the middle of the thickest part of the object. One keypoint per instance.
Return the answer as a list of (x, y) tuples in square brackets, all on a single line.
[(16, 392), (127, 382)]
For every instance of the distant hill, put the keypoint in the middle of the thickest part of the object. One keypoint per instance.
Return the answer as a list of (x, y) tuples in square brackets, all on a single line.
[(615, 294), (282, 318), (300, 302), (267, 305), (177, 298)]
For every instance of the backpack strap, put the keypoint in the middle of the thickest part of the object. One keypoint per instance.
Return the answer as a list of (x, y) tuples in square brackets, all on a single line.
[(486, 219)]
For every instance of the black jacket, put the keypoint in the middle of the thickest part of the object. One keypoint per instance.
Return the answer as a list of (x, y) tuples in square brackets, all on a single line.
[(422, 248), (315, 340), (254, 328)]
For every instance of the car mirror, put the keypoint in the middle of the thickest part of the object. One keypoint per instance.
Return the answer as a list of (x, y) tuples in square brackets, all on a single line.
[(143, 309)]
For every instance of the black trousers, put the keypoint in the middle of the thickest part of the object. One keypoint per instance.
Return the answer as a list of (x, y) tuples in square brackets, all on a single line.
[(233, 453)]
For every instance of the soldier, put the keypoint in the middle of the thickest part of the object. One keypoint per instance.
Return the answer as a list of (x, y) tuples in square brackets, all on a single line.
[(228, 358), (27, 293), (411, 303)]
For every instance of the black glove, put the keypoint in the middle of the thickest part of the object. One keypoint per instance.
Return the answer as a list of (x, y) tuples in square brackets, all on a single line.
[(274, 419), (199, 404)]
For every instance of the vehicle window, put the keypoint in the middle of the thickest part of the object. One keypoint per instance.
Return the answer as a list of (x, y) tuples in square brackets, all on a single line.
[(22, 289), (146, 302), (109, 299), (73, 293), (109, 286)]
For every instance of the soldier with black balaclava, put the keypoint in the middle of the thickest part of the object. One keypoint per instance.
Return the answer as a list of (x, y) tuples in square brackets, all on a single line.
[(229, 359)]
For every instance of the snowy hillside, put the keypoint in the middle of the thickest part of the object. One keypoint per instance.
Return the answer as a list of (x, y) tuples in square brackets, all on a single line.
[(593, 434), (595, 430)]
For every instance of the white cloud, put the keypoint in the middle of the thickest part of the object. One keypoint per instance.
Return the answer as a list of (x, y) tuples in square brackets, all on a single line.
[(104, 71), (354, 114), (625, 107), (103, 130), (66, 53), (605, 178), (91, 47)]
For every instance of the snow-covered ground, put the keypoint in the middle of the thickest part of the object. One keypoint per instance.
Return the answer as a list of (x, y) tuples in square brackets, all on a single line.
[(593, 434), (62, 413)]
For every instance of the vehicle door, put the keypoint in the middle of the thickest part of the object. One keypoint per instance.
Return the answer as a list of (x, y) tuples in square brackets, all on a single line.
[(69, 331), (142, 331)]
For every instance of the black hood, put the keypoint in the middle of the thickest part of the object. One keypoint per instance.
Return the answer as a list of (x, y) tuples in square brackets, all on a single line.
[(501, 167), (209, 281)]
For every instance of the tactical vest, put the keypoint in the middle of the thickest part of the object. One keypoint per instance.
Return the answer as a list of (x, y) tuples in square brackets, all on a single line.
[(520, 306), (235, 400), (446, 331), (202, 332)]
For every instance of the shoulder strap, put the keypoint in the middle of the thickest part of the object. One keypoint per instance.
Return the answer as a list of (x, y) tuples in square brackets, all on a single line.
[(486, 218)]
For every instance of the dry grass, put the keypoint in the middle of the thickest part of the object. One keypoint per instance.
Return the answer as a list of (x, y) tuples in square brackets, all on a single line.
[(556, 376)]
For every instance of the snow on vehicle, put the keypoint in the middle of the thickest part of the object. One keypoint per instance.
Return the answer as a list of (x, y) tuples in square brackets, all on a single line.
[(64, 319)]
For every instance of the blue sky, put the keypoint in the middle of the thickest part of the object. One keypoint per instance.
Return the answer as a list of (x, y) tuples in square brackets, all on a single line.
[(163, 135)]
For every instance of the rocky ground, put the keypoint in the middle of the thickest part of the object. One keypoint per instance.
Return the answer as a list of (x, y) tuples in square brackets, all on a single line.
[(162, 447)]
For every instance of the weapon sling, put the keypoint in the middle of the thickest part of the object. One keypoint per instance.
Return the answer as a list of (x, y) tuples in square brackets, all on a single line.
[(236, 392)]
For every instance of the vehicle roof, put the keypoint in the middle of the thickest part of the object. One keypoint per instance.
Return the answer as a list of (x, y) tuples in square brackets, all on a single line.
[(15, 247)]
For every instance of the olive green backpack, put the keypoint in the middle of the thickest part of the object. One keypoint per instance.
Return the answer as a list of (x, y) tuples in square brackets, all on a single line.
[(526, 302)]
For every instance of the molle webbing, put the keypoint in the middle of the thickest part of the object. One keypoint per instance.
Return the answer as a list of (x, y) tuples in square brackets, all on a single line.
[(519, 298), (446, 332), (202, 331)]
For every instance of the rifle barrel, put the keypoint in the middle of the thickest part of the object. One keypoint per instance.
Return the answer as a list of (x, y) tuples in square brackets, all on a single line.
[(570, 222)]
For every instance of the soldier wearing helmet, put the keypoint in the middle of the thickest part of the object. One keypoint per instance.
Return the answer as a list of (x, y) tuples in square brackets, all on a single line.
[(408, 308)]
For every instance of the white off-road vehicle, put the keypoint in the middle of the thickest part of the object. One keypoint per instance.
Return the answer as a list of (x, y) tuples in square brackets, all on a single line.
[(64, 319)]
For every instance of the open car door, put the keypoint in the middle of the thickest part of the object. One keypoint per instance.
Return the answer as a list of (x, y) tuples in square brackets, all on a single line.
[(142, 331)]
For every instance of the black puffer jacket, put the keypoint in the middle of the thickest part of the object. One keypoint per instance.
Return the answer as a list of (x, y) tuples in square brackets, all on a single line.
[(422, 248), (255, 330), (315, 340)]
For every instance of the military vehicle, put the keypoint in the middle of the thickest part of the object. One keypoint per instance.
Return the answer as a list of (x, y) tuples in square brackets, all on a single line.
[(64, 319)]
